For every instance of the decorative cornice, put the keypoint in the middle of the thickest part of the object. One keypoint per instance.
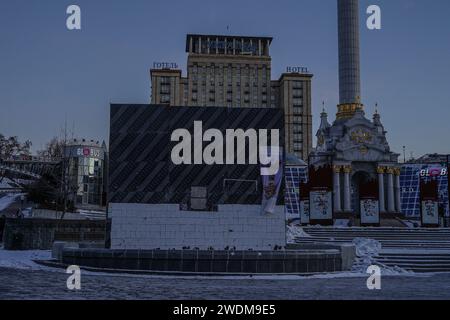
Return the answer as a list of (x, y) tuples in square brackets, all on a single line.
[(348, 110), (337, 169), (381, 170), (347, 169)]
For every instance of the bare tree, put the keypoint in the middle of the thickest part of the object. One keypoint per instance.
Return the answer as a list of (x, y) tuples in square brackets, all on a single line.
[(54, 150), (11, 146)]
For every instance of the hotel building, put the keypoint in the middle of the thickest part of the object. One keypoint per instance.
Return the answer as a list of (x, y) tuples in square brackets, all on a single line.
[(235, 72)]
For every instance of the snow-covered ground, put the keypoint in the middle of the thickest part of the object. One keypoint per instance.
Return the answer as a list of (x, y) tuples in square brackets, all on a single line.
[(23, 259), (367, 251), (6, 183), (295, 231), (8, 199)]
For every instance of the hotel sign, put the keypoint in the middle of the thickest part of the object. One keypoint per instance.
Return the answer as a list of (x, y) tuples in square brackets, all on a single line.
[(165, 65), (229, 45), (293, 69)]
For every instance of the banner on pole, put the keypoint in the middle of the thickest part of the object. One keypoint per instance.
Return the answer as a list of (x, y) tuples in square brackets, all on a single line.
[(321, 195), (429, 203), (304, 203), (320, 205), (369, 203), (271, 184)]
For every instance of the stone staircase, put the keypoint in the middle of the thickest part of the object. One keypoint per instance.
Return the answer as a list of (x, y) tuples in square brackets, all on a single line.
[(417, 250)]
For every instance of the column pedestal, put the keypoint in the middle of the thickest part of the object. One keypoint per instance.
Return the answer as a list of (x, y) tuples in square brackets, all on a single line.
[(347, 192), (381, 189), (337, 189), (390, 191), (398, 199)]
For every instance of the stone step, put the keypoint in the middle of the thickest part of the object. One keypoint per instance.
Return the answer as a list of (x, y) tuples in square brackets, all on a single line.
[(414, 261)]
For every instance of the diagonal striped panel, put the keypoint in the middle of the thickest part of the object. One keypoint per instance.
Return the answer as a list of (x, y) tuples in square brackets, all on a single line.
[(141, 170)]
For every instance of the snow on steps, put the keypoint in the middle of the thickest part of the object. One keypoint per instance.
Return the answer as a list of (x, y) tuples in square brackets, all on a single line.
[(417, 250)]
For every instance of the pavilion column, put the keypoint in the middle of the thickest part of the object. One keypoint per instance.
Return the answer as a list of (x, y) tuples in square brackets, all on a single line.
[(347, 192), (398, 199), (380, 172), (337, 189), (390, 191)]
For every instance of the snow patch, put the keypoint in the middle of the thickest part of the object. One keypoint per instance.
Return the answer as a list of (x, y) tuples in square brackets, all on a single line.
[(6, 183), (367, 252), (23, 259), (295, 231), (8, 199)]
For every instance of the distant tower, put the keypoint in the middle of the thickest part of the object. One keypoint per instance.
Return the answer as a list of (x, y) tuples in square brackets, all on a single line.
[(349, 60)]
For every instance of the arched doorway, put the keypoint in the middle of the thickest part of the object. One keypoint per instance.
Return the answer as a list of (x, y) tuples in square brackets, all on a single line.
[(359, 178)]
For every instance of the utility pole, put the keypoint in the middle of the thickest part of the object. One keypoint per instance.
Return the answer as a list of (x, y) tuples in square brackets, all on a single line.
[(63, 172), (404, 154)]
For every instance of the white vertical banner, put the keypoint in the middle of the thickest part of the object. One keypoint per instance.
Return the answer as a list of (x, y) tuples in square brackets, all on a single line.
[(304, 212), (430, 212), (271, 183), (370, 211), (320, 205)]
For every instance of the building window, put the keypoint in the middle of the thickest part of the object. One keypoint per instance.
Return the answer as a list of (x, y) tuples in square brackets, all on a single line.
[(297, 93), (297, 85), (298, 110), (298, 137), (165, 89), (297, 146), (165, 81), (165, 98), (297, 101)]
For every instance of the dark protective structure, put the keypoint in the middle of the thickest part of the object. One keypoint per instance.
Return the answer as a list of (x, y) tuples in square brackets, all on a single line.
[(141, 169)]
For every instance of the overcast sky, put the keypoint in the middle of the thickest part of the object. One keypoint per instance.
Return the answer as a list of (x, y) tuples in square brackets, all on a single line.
[(49, 74)]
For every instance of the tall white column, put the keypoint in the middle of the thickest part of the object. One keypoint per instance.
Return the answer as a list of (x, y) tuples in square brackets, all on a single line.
[(337, 189), (381, 189), (390, 191), (398, 199), (347, 193)]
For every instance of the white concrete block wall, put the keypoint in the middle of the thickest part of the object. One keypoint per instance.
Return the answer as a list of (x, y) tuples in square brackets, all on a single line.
[(164, 226)]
